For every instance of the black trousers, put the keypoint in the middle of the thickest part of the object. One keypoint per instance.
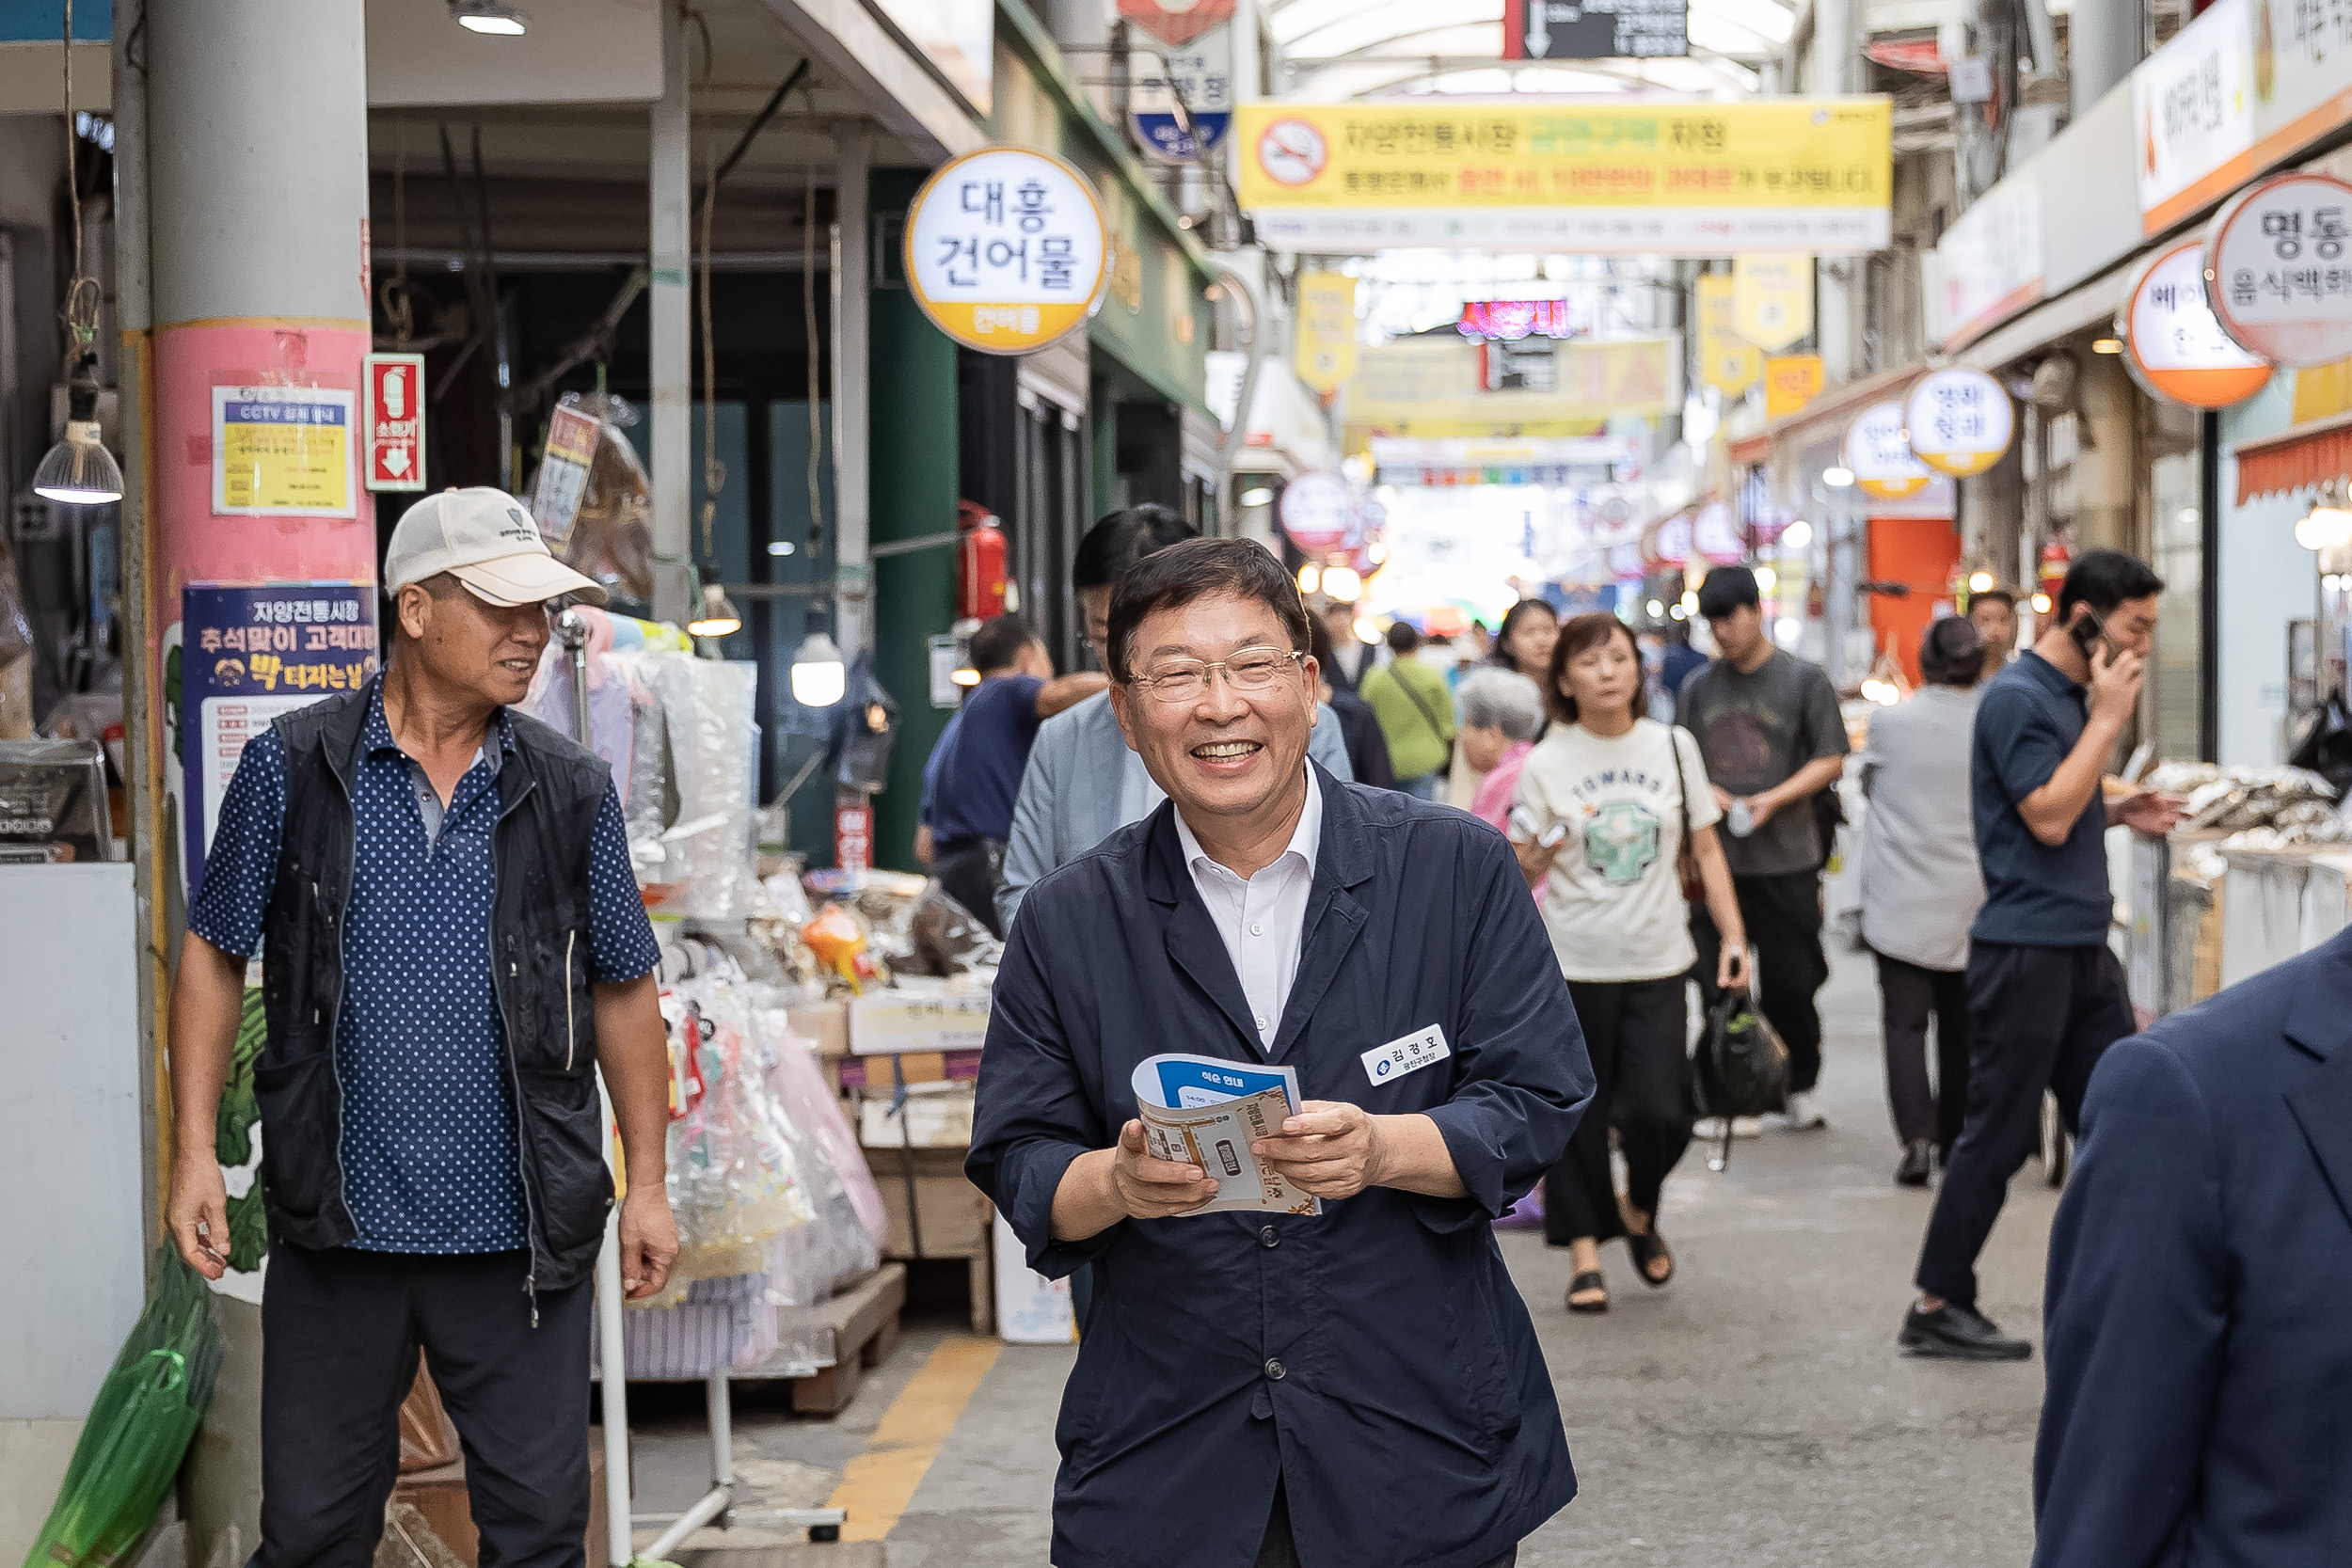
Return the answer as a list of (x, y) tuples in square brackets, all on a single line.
[(2039, 1018), (1280, 1548), (1784, 919), (1907, 997), (1635, 1031), (341, 1331), (970, 869)]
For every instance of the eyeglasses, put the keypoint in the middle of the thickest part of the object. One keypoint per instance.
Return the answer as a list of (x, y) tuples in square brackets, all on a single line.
[(1186, 680)]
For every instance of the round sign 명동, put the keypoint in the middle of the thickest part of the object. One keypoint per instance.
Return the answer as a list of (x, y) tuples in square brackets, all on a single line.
[(1006, 249), (1959, 421), (2173, 345), (2278, 262), (1317, 512), (1880, 457)]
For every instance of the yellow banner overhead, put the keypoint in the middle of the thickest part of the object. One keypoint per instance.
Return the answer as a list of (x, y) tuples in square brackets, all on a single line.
[(1417, 386), (1773, 299), (1728, 361), (1323, 349), (1792, 176)]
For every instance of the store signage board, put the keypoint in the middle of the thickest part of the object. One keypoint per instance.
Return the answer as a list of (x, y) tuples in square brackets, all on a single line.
[(562, 477), (1988, 264), (1595, 29), (1431, 387), (2173, 345), (1006, 249), (1790, 382), (283, 452), (1728, 361), (1959, 420), (1795, 176), (1317, 512), (2279, 269), (395, 422), (2242, 89), (1880, 457), (1180, 95), (854, 838), (1323, 348), (1773, 299), (1511, 320), (247, 654)]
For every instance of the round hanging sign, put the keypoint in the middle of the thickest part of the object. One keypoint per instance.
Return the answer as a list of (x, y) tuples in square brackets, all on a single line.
[(1878, 456), (1006, 249), (1317, 512), (2173, 345), (1959, 421), (2277, 271)]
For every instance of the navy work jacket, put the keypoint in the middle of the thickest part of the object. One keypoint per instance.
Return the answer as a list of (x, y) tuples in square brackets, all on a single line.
[(2200, 1403), (1376, 1359)]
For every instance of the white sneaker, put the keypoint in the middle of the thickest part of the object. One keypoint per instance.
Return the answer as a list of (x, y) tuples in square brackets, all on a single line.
[(1803, 1114)]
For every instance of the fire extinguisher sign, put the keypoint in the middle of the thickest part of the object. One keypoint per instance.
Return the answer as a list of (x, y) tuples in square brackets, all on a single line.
[(395, 422)]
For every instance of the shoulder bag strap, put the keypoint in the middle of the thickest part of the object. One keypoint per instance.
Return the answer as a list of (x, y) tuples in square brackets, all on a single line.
[(1427, 718)]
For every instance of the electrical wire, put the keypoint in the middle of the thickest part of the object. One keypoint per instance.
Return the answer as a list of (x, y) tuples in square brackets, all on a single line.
[(808, 326), (82, 295)]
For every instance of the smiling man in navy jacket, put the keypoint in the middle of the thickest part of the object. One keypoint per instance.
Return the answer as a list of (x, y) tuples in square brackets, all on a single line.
[(1360, 1386)]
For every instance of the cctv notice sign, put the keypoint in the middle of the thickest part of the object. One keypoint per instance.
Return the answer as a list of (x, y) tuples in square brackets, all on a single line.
[(394, 432), (1006, 249)]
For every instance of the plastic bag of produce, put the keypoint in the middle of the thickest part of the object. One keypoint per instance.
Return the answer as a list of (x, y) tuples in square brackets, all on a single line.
[(140, 1426)]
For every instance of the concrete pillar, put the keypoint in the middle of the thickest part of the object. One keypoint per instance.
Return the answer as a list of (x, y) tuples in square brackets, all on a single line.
[(2102, 40), (2104, 477), (256, 173), (672, 362), (852, 359)]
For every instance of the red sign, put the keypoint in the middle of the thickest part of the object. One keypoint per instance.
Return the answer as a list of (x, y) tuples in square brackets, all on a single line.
[(395, 422), (1509, 320), (1176, 22), (854, 838)]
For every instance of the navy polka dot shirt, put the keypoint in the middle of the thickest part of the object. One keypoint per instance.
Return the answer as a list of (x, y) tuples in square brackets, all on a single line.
[(429, 1153)]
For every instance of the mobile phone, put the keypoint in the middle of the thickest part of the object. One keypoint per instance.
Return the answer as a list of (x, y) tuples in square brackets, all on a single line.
[(2088, 632)]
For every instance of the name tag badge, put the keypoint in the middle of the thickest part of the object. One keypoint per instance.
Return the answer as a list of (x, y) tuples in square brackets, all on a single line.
[(1387, 1063)]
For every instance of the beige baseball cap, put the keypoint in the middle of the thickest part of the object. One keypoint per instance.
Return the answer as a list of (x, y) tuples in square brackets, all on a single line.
[(485, 539)]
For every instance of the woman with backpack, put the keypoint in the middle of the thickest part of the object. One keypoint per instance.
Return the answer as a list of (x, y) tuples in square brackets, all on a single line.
[(1616, 809)]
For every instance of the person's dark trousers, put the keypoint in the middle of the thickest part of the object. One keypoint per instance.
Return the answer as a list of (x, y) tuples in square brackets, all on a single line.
[(1635, 1033), (341, 1331), (2039, 1018), (1909, 995), (969, 869), (1280, 1548), (1784, 919)]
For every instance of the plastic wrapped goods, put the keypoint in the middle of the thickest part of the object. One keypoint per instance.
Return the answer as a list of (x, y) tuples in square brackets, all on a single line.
[(734, 1176), (850, 1224), (709, 719)]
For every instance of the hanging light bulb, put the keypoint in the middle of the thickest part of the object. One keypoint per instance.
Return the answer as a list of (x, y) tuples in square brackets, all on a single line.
[(719, 616), (1797, 535), (495, 18), (2328, 524), (1309, 578), (1980, 582), (820, 676), (1342, 583), (78, 470)]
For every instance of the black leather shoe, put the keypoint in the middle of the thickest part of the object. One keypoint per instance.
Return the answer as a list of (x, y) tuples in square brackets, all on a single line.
[(1918, 1165), (1960, 1334)]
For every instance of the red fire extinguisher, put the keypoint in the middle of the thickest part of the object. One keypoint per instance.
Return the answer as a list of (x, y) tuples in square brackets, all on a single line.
[(980, 564)]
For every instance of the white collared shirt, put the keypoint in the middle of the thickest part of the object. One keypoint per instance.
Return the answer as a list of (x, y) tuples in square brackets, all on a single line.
[(1264, 919)]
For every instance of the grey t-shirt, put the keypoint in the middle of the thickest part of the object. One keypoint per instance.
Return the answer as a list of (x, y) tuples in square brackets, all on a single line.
[(1755, 730)]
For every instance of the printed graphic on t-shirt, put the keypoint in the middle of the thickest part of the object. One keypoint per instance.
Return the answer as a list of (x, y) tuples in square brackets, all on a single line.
[(1621, 843)]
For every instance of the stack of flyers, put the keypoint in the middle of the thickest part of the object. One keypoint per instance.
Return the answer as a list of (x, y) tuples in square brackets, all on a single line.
[(1205, 1111)]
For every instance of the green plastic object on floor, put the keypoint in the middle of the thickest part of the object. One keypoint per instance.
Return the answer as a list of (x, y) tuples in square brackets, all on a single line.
[(140, 1426)]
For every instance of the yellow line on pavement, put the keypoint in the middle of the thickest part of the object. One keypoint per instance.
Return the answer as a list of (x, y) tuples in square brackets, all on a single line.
[(877, 1484)]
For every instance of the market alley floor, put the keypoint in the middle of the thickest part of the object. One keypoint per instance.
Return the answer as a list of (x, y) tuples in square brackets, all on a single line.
[(1754, 1412)]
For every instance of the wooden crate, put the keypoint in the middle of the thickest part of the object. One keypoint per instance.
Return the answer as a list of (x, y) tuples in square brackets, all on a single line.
[(864, 1324)]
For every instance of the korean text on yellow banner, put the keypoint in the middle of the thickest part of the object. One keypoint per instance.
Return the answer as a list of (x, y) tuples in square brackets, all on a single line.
[(1728, 361), (1416, 387), (1790, 382), (1802, 176), (1772, 300), (1324, 354)]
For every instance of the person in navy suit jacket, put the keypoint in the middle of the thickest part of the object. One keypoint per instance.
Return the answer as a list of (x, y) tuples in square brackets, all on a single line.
[(2199, 1317)]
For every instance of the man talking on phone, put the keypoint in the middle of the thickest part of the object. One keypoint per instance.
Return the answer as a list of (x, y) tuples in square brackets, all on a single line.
[(2045, 993)]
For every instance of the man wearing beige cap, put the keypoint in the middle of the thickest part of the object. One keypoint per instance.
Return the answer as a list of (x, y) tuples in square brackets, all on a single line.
[(452, 944)]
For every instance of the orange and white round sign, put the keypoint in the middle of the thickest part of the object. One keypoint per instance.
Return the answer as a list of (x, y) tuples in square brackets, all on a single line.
[(1006, 249), (1878, 456), (2173, 346)]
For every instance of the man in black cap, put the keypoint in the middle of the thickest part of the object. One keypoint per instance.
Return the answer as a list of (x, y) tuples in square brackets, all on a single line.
[(1768, 724)]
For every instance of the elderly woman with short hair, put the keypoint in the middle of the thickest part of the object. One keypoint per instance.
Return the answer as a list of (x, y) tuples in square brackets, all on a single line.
[(1500, 715)]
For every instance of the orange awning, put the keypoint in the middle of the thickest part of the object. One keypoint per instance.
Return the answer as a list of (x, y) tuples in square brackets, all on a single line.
[(2311, 453)]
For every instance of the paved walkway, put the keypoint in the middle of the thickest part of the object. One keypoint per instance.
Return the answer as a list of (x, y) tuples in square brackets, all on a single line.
[(1755, 1412)]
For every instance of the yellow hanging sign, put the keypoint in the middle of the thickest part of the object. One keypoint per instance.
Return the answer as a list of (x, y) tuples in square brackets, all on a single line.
[(1790, 382), (1728, 361), (1773, 299), (1323, 351), (1420, 386), (1800, 176)]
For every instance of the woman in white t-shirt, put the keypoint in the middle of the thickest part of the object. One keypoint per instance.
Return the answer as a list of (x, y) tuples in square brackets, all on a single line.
[(1605, 802)]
